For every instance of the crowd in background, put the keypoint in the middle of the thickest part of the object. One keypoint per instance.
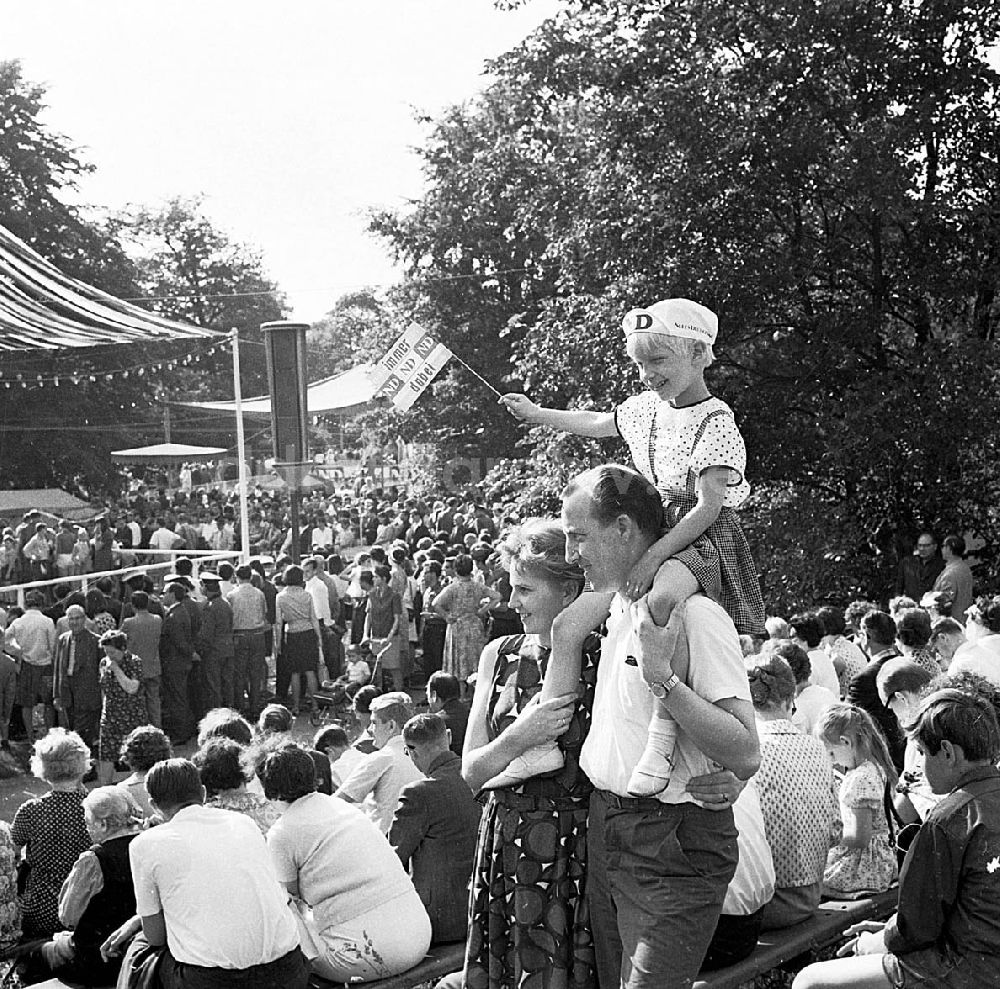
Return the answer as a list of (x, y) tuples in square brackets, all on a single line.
[(395, 594)]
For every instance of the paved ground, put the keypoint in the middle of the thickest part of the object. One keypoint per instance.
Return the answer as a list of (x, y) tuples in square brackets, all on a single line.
[(17, 784)]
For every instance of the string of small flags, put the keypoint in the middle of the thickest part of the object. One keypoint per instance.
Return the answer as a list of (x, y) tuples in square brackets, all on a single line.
[(25, 379)]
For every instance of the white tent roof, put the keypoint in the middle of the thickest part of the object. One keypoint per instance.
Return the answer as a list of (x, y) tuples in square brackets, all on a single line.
[(166, 453), (349, 391)]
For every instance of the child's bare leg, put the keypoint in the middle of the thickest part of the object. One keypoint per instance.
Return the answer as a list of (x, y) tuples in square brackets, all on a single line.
[(562, 677), (673, 584)]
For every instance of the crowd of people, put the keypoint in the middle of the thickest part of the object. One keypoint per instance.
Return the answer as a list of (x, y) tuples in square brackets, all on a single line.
[(626, 770)]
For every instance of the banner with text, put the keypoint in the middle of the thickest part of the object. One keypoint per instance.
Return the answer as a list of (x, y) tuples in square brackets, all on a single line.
[(409, 366)]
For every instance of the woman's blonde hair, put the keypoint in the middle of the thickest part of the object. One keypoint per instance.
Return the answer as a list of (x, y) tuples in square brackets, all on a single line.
[(60, 757), (540, 546)]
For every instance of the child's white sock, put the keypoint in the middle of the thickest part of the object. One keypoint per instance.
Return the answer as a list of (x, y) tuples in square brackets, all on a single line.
[(656, 765), (537, 760)]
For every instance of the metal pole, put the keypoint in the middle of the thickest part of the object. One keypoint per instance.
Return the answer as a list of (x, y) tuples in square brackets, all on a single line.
[(244, 481)]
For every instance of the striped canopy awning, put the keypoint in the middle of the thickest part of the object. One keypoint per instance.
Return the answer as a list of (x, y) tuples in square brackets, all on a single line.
[(43, 309)]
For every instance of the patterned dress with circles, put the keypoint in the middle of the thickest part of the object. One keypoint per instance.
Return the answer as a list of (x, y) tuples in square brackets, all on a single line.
[(55, 833), (122, 712), (672, 447), (529, 923)]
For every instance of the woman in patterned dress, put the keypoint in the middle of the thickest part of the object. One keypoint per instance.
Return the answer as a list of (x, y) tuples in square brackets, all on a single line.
[(52, 828), (529, 922), (796, 788), (124, 704), (461, 605)]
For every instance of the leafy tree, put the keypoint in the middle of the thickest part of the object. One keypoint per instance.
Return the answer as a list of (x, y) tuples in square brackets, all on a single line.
[(825, 177), (37, 168)]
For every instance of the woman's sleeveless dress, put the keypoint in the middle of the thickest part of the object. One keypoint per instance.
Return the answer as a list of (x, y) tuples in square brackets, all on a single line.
[(529, 923)]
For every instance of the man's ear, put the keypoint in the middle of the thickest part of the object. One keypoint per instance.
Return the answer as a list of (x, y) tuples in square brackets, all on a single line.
[(953, 753), (626, 527)]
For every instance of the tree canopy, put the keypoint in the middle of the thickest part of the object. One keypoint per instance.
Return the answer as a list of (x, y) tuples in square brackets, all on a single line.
[(823, 176)]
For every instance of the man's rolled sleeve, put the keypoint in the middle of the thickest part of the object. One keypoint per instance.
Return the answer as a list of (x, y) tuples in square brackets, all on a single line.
[(365, 776)]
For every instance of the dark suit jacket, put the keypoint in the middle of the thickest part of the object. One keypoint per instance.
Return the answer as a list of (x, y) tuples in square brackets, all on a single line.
[(434, 831), (176, 640), (863, 692), (82, 691), (456, 715)]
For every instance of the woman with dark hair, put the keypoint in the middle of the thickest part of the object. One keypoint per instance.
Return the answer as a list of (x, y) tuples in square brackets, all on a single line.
[(913, 635), (144, 747), (795, 786), (302, 643), (848, 659), (96, 606), (367, 921), (385, 626), (528, 913), (220, 763), (124, 704), (463, 604)]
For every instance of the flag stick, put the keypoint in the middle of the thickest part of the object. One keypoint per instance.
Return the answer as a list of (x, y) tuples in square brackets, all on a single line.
[(474, 372)]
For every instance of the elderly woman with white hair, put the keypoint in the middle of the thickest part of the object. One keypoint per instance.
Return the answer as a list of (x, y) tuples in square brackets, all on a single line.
[(51, 828), (97, 896)]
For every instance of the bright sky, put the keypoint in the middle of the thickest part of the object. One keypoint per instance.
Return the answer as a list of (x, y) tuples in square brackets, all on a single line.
[(291, 118)]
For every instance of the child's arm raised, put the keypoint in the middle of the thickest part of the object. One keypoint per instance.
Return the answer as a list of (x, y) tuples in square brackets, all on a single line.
[(576, 421), (711, 490)]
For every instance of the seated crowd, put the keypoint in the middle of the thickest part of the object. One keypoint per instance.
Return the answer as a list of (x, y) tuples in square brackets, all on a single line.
[(269, 856)]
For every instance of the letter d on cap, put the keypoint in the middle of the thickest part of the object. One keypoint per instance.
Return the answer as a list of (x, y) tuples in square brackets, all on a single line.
[(643, 321)]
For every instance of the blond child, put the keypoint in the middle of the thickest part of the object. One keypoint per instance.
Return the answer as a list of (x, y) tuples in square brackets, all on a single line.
[(686, 443)]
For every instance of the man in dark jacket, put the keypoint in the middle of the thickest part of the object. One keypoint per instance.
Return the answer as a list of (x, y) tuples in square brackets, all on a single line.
[(176, 649), (878, 635), (435, 827), (76, 685), (214, 643)]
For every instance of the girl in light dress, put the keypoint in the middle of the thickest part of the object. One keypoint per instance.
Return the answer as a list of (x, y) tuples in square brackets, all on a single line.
[(686, 443), (864, 860)]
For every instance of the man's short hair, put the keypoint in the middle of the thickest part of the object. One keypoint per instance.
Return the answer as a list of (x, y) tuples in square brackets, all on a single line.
[(955, 544), (946, 626), (444, 685), (174, 783), (901, 676), (964, 719), (329, 737), (424, 728), (393, 706), (140, 600), (879, 626), (364, 697), (34, 599), (286, 772), (616, 490), (244, 572)]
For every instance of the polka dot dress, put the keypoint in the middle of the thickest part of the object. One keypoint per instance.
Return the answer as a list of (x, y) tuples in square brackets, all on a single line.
[(55, 833), (672, 448), (529, 925)]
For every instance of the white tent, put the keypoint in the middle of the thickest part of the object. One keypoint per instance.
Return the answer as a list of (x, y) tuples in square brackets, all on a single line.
[(350, 391)]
